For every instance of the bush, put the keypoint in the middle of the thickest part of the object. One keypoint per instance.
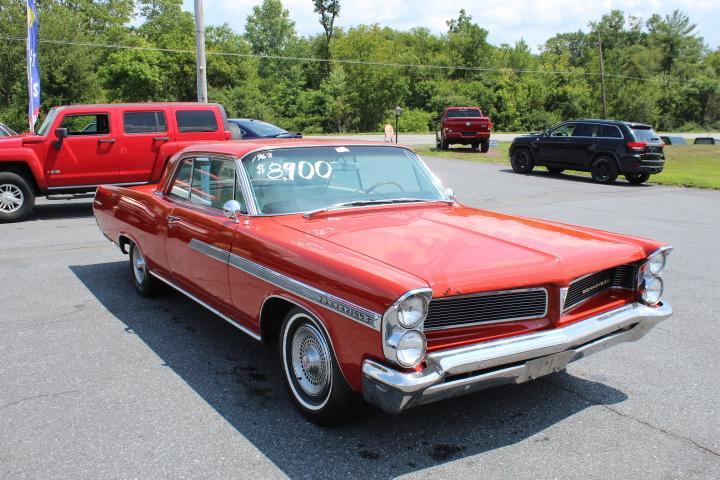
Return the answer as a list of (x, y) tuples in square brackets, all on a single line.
[(411, 120), (312, 130)]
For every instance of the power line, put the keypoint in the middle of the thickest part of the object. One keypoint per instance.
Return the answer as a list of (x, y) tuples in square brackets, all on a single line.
[(341, 61)]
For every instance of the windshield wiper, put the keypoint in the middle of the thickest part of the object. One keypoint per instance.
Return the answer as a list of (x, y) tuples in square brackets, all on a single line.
[(360, 203)]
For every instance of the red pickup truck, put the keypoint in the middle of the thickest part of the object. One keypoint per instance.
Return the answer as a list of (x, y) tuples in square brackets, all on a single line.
[(80, 147), (463, 125)]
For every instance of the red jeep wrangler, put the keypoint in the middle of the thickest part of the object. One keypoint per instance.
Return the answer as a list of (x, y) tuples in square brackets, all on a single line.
[(463, 125), (80, 147)]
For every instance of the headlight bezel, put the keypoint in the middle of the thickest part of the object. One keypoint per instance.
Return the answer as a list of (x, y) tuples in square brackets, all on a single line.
[(393, 330), (647, 273)]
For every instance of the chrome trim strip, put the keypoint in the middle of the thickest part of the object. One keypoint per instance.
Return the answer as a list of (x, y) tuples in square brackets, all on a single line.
[(312, 294), (93, 185), (213, 310), (485, 294)]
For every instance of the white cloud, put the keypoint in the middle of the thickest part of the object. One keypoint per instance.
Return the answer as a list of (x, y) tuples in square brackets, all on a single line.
[(507, 21)]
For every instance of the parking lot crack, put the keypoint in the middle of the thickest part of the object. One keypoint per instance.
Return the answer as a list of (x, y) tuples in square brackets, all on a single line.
[(632, 417), (34, 397)]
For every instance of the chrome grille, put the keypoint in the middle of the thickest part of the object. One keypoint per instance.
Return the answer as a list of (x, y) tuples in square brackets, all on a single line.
[(588, 286), (490, 307)]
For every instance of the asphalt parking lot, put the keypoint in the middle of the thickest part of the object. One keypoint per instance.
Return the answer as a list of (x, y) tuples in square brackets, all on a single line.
[(96, 382)]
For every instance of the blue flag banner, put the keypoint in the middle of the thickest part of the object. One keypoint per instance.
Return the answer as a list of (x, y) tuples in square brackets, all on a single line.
[(33, 73)]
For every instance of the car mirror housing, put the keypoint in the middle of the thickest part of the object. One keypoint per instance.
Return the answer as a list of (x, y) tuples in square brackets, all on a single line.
[(231, 208)]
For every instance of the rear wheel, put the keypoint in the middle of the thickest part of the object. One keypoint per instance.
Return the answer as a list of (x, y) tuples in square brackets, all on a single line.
[(145, 284), (522, 161), (604, 170), (485, 146), (17, 197), (555, 169), (637, 178), (316, 384)]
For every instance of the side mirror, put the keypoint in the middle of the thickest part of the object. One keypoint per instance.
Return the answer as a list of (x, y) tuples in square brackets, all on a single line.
[(61, 133), (231, 210), (450, 194)]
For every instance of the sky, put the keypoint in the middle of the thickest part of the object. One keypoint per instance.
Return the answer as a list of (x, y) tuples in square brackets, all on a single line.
[(506, 20)]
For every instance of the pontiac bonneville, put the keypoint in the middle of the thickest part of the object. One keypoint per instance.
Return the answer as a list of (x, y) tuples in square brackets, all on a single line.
[(371, 279)]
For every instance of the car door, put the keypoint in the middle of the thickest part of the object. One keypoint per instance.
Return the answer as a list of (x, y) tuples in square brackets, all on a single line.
[(144, 132), (582, 144), (553, 147), (88, 155), (199, 236)]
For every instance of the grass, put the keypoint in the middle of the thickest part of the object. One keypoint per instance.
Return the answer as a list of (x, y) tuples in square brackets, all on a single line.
[(685, 165)]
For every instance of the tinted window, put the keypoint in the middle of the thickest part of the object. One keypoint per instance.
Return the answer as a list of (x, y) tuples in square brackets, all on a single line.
[(610, 131), (144, 122), (262, 129), (94, 124), (196, 121), (585, 130), (213, 182), (464, 112), (645, 134), (564, 130), (181, 184)]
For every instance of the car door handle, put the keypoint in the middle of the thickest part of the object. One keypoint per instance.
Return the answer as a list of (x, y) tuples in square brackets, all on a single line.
[(161, 139), (106, 140), (173, 219)]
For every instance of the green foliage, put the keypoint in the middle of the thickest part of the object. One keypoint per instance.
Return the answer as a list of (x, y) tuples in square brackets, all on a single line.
[(658, 69)]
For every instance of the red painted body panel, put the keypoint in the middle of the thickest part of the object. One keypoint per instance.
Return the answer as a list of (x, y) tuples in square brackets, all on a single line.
[(363, 256)]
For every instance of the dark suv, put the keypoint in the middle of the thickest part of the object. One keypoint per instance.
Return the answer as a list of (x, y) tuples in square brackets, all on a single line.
[(605, 148)]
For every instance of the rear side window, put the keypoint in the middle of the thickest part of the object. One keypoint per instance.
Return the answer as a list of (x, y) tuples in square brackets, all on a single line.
[(196, 121), (610, 131), (87, 124), (645, 134), (464, 112), (181, 184), (144, 122), (585, 130)]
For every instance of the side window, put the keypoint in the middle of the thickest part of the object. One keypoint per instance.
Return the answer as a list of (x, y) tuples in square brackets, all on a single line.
[(87, 124), (144, 122), (190, 121), (181, 184), (610, 131), (584, 130), (214, 182), (564, 130)]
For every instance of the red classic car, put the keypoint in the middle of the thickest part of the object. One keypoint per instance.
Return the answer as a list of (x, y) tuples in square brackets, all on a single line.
[(371, 278)]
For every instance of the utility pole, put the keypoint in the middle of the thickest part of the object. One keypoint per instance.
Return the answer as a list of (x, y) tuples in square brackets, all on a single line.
[(602, 77), (200, 52)]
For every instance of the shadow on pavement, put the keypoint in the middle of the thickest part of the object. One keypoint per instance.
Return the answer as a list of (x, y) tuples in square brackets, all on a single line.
[(241, 380), (59, 210), (573, 177)]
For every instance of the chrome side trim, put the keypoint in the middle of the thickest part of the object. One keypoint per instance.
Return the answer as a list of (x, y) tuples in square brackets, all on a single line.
[(95, 185), (213, 310), (312, 294)]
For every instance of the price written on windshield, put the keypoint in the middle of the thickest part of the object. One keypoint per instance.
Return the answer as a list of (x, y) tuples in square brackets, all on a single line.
[(292, 170)]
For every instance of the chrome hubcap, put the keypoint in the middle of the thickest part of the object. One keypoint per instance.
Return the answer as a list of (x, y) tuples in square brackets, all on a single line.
[(11, 198), (311, 360), (139, 268)]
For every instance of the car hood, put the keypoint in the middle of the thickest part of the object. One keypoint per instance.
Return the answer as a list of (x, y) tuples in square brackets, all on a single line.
[(459, 250), (14, 141)]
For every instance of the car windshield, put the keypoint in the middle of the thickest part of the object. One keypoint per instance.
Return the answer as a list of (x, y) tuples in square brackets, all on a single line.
[(43, 130), (645, 134), (262, 129), (464, 112), (303, 179)]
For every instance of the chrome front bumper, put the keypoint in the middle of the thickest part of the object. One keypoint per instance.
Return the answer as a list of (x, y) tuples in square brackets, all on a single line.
[(458, 371)]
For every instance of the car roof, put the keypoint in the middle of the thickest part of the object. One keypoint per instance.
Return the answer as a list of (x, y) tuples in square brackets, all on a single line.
[(238, 148), (134, 105), (613, 122)]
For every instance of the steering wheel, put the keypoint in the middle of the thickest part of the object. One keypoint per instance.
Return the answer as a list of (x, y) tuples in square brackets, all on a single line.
[(380, 184)]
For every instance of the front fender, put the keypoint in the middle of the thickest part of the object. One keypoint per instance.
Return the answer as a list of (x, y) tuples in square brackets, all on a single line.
[(27, 157)]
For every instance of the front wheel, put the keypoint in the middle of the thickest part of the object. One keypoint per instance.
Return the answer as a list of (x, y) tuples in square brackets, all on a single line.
[(604, 170), (521, 161), (17, 197), (637, 178), (316, 384)]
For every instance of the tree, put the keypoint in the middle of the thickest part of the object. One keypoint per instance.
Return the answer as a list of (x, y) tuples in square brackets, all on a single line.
[(270, 32), (328, 10)]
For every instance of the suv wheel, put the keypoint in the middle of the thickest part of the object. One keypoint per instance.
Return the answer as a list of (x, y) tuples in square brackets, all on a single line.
[(637, 178), (522, 161), (17, 198), (555, 170), (311, 372), (604, 170)]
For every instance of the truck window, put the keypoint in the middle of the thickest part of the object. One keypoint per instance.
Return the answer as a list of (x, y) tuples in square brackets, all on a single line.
[(196, 121), (144, 122), (464, 113), (87, 124)]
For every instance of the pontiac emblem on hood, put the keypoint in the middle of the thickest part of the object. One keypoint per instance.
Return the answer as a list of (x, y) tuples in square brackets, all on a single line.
[(596, 286)]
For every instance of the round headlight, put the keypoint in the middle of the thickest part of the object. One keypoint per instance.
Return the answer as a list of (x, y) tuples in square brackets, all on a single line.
[(656, 264), (411, 311), (411, 348), (653, 290)]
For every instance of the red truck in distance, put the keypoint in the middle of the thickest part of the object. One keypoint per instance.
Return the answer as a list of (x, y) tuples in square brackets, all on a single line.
[(80, 147), (464, 126)]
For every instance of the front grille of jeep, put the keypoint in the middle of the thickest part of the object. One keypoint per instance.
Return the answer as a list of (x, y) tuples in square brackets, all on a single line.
[(583, 288), (488, 307)]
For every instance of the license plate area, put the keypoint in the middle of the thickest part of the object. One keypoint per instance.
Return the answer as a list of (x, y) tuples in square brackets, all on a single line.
[(542, 366)]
